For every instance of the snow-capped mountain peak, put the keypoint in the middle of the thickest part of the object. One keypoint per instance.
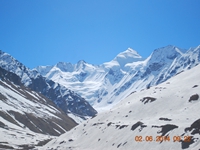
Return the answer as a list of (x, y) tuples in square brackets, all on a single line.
[(11, 64), (129, 53), (65, 67), (81, 62), (127, 56), (164, 54), (123, 58), (43, 70), (80, 65)]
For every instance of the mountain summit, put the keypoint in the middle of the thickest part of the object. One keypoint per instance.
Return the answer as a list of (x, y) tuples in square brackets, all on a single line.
[(163, 54), (127, 56), (123, 58)]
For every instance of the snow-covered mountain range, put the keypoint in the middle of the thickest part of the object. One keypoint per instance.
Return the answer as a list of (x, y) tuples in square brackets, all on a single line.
[(156, 99), (162, 117), (110, 82), (64, 98)]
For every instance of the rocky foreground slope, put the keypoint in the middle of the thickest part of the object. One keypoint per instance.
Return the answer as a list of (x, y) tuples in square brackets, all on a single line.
[(27, 118)]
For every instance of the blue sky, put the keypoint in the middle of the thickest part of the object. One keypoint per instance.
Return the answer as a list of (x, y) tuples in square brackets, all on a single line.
[(44, 32)]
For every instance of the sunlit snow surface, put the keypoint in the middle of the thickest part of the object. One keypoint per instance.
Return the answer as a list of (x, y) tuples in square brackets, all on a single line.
[(147, 113)]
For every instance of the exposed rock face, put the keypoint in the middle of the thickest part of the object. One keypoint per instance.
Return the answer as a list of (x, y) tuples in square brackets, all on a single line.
[(64, 98)]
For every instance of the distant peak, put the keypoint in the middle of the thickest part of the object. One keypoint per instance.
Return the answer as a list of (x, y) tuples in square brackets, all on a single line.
[(131, 50), (168, 49), (65, 67), (81, 62), (127, 56), (170, 46), (60, 63), (3, 53), (129, 53), (169, 52), (63, 63)]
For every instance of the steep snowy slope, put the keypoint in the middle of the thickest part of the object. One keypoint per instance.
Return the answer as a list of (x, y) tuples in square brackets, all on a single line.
[(112, 81), (64, 98), (164, 117), (27, 118), (83, 76)]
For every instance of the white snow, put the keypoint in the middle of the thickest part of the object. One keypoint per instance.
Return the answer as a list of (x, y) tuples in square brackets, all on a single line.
[(15, 137), (24, 105)]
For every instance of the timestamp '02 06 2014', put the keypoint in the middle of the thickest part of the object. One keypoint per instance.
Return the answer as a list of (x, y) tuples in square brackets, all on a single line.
[(162, 138)]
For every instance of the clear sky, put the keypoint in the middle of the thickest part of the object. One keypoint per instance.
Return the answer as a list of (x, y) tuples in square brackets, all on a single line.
[(44, 32)]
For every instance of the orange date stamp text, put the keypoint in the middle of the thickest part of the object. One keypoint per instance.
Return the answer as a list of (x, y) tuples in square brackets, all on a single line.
[(162, 138)]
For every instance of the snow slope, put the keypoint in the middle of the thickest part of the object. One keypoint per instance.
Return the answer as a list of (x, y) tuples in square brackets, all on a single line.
[(27, 118), (164, 117), (105, 85)]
